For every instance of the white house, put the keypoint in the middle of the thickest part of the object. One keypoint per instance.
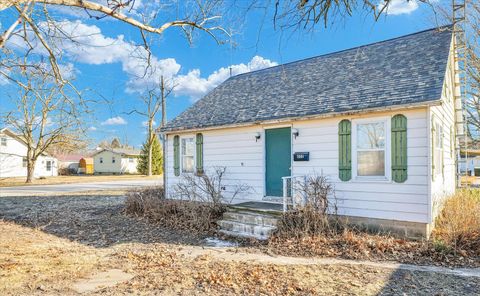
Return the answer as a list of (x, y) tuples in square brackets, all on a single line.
[(116, 161), (13, 158), (378, 120)]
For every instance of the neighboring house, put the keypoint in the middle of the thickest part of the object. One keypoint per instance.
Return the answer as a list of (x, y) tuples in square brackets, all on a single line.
[(69, 163), (13, 158), (470, 161), (116, 161), (377, 120)]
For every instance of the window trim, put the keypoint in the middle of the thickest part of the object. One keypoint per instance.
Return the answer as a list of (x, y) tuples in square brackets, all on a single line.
[(388, 166), (24, 162), (48, 168), (113, 159), (440, 149), (194, 154)]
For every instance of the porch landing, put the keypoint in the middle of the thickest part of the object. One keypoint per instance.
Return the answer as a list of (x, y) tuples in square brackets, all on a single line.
[(259, 206)]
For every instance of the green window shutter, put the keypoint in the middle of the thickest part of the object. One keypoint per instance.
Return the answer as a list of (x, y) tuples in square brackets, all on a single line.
[(399, 148), (176, 155), (199, 158), (345, 150)]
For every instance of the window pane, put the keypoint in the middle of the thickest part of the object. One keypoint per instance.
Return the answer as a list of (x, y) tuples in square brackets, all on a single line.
[(438, 161), (371, 163), (371, 135), (438, 136), (187, 146), (187, 166)]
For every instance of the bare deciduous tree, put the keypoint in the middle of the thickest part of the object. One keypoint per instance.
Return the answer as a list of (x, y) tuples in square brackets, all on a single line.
[(45, 116), (154, 100), (472, 27), (43, 31)]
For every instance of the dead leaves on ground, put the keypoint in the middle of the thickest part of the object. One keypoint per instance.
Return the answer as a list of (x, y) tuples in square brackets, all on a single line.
[(363, 246)]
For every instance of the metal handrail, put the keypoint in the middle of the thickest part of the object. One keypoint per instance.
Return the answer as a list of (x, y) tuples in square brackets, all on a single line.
[(292, 190)]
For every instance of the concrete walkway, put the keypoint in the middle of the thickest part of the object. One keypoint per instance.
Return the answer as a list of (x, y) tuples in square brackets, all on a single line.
[(76, 187), (229, 255)]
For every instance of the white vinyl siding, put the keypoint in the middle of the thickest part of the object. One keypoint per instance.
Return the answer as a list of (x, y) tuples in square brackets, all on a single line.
[(108, 162), (13, 158), (443, 182), (238, 150)]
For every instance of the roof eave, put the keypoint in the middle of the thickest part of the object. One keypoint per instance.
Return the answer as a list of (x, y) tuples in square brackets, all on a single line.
[(425, 104)]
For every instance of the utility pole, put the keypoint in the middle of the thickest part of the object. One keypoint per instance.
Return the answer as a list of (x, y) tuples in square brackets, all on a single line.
[(162, 135)]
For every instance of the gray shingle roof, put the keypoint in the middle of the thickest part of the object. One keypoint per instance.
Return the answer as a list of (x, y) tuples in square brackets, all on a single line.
[(401, 71)]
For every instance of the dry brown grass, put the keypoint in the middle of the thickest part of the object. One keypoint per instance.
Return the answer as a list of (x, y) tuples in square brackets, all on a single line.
[(458, 225), (32, 261), (7, 182)]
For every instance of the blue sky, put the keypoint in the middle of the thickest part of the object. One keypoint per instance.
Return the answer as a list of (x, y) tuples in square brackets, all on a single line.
[(105, 65)]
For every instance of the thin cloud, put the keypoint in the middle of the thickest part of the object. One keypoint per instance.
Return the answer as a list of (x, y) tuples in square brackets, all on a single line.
[(195, 86), (90, 46), (398, 7), (114, 121)]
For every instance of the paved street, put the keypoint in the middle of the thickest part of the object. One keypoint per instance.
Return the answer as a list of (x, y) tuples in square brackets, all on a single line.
[(76, 187)]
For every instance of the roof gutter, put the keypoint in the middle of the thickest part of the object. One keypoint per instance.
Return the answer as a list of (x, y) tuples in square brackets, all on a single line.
[(426, 104)]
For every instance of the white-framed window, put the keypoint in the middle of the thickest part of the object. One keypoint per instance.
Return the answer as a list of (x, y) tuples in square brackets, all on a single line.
[(113, 159), (371, 149), (438, 157), (49, 166), (130, 159), (3, 141), (187, 149), (101, 159), (24, 162)]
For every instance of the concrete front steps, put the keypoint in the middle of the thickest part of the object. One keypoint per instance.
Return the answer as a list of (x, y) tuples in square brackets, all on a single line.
[(250, 220)]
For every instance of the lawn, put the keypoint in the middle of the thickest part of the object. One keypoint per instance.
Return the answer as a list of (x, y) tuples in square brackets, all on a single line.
[(51, 245), (7, 182)]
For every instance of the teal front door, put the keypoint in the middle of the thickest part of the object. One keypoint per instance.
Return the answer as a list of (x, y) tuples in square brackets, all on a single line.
[(277, 159)]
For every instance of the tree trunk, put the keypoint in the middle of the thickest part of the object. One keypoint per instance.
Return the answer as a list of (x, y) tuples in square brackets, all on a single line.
[(30, 167)]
